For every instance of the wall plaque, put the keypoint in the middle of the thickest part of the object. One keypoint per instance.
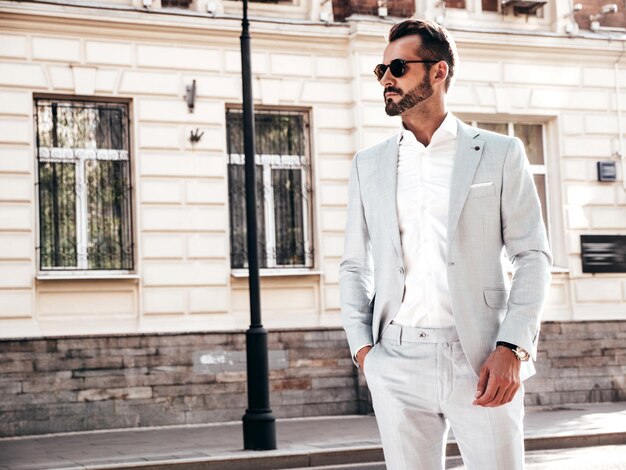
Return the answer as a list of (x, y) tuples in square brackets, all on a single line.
[(603, 253)]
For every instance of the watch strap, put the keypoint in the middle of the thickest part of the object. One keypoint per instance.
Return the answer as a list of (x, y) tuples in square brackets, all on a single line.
[(520, 353), (511, 346)]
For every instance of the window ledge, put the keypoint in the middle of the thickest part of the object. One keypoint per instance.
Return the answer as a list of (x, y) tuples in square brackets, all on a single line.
[(553, 270), (277, 272), (85, 276), (559, 270)]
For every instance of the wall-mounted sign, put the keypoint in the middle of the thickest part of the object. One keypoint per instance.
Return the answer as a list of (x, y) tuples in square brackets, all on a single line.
[(607, 171), (603, 253)]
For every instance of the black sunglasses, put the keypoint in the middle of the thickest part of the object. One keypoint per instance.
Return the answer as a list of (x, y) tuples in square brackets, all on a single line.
[(398, 67)]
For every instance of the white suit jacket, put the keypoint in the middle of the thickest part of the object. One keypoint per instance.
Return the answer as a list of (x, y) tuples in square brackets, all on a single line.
[(483, 218)]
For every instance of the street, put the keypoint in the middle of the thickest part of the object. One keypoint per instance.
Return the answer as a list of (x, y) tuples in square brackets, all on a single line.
[(585, 458)]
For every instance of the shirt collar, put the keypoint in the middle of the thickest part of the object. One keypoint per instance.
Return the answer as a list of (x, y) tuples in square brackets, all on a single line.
[(448, 126)]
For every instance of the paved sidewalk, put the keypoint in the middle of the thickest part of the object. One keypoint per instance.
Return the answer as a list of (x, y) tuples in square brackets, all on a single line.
[(302, 442)]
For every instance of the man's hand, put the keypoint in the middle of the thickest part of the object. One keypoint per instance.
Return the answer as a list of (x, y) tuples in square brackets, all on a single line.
[(360, 355), (499, 378)]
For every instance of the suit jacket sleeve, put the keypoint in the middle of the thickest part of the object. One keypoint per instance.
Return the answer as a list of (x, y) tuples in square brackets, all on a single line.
[(526, 244), (356, 274)]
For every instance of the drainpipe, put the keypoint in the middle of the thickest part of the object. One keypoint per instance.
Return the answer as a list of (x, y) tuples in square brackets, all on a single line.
[(620, 132)]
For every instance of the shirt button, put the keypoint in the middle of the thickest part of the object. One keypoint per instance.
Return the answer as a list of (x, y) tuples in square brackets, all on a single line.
[(450, 263), (401, 270)]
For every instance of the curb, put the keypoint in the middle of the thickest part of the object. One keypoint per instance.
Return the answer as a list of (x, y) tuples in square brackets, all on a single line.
[(274, 460)]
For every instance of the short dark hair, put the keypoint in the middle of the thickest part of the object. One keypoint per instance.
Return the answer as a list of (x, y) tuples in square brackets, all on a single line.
[(437, 44)]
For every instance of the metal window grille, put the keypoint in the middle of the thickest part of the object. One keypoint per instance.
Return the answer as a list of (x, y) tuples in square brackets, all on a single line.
[(283, 189), (84, 185)]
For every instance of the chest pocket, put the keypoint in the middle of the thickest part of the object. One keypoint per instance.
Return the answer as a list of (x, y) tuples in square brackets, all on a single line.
[(481, 190)]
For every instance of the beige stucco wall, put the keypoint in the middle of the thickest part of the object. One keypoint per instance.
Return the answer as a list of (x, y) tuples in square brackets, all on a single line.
[(182, 279)]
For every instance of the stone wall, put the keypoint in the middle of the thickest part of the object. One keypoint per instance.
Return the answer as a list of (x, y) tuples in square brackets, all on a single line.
[(101, 382), (579, 362)]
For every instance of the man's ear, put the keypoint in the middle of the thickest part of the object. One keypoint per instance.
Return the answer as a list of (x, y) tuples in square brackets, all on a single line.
[(441, 70)]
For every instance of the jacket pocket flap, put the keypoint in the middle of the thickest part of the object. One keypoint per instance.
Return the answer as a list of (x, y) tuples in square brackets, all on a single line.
[(496, 298)]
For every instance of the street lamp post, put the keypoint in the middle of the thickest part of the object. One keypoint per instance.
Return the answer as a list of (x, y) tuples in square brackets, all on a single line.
[(259, 429)]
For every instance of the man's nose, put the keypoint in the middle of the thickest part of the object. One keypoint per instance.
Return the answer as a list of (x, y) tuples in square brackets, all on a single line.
[(387, 78)]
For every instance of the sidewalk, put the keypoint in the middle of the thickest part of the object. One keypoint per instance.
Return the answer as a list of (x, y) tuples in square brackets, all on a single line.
[(302, 442)]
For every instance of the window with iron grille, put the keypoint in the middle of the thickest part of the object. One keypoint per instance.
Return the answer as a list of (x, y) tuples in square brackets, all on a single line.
[(283, 189), (84, 185)]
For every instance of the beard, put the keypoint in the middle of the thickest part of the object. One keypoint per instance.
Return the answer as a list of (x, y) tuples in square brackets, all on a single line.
[(421, 92)]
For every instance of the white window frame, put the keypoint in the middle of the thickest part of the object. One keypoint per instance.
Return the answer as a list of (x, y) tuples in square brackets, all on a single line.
[(79, 156), (270, 162)]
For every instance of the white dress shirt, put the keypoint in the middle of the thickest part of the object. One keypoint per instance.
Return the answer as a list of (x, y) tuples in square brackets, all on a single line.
[(422, 197)]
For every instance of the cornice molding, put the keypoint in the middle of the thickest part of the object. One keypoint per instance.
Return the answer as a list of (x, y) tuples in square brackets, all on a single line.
[(131, 22), (363, 34)]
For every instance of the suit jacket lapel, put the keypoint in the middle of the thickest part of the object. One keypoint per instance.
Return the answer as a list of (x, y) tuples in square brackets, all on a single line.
[(388, 167), (468, 154)]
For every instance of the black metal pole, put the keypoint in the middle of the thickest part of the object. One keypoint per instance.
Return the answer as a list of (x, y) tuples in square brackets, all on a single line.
[(259, 425)]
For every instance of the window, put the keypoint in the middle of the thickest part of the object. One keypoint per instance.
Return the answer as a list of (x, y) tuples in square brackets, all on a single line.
[(489, 5), (524, 7), (183, 4), (84, 185), (455, 4), (532, 135), (515, 7), (283, 189)]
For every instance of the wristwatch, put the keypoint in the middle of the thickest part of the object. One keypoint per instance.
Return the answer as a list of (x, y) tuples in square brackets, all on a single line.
[(520, 353)]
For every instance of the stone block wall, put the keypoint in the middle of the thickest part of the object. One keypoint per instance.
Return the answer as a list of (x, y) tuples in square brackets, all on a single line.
[(102, 382), (579, 362), (59, 384)]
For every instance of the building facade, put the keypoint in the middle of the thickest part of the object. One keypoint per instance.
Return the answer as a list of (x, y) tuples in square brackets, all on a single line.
[(121, 176), (123, 281)]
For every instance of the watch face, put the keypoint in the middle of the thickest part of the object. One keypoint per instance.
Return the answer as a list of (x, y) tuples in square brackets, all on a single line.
[(521, 354)]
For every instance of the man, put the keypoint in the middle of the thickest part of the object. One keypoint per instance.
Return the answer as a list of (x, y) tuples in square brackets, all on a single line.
[(443, 337)]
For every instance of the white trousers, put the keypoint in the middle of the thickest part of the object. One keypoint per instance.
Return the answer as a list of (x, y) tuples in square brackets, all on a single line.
[(421, 385)]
